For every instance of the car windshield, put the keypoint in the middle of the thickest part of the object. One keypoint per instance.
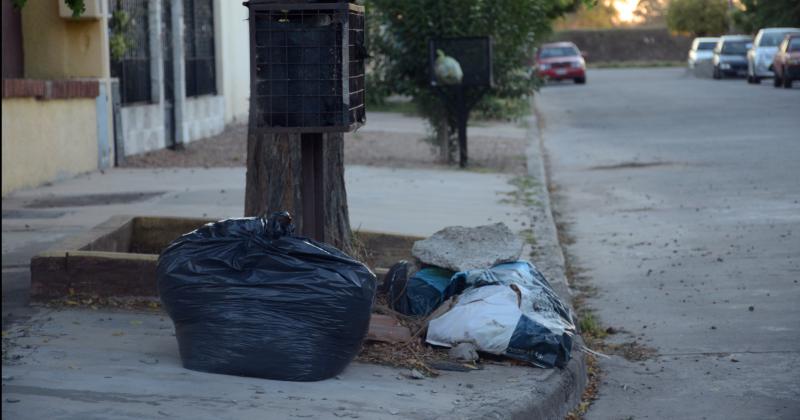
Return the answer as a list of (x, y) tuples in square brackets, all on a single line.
[(735, 47), (794, 45), (772, 39), (550, 52), (706, 46)]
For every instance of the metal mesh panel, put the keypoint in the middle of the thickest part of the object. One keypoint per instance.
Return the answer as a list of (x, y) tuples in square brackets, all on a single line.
[(133, 68), (307, 73), (198, 16)]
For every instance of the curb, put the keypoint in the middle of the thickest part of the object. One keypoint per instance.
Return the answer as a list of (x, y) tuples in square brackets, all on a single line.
[(566, 387)]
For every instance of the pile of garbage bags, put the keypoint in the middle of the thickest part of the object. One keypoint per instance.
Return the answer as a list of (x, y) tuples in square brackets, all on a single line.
[(249, 298), (506, 309)]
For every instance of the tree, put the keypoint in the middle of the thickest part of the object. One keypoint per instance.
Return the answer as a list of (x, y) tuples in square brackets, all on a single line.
[(274, 171), (757, 14), (651, 12), (602, 15), (698, 17), (400, 31)]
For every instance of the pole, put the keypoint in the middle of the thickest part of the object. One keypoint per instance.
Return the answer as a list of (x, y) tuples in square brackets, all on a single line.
[(311, 186), (463, 116)]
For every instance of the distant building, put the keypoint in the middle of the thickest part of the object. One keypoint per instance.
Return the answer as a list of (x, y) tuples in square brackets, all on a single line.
[(74, 101)]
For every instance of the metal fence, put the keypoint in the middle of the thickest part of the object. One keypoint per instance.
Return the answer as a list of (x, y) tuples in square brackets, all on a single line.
[(198, 17), (133, 66)]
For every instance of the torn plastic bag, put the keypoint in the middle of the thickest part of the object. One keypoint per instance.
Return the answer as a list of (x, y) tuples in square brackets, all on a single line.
[(248, 298), (508, 310), (419, 294)]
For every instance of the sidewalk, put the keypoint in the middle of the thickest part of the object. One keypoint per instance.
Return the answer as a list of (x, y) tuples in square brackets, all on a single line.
[(110, 364)]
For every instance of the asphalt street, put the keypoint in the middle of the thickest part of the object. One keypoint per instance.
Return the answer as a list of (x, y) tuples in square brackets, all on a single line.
[(681, 197)]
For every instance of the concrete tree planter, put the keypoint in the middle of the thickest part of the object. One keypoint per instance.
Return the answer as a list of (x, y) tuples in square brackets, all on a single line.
[(118, 258)]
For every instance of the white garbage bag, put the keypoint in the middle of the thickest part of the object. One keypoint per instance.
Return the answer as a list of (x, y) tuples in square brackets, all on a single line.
[(508, 310)]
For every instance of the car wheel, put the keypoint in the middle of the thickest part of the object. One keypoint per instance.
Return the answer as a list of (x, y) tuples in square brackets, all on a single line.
[(580, 80), (750, 79), (756, 80)]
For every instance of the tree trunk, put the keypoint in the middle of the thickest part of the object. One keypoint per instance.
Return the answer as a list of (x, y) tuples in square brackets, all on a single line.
[(274, 174)]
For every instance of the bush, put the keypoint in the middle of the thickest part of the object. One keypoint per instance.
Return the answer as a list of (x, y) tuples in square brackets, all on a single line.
[(698, 17)]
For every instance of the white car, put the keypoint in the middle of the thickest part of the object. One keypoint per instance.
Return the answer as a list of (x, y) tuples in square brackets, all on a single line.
[(702, 50), (759, 58)]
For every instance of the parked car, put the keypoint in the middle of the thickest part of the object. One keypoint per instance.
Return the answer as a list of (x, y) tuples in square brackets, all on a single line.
[(759, 58), (786, 63), (561, 61), (730, 56), (702, 50)]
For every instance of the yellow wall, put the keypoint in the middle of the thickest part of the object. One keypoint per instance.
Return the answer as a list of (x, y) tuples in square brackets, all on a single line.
[(59, 48), (47, 140)]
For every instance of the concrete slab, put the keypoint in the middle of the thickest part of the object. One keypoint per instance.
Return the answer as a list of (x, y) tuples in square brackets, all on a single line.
[(80, 364)]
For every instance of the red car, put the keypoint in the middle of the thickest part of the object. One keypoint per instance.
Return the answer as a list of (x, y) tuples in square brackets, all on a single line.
[(560, 61), (786, 63)]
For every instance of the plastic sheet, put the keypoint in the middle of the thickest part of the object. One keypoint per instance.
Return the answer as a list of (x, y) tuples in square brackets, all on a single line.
[(248, 298)]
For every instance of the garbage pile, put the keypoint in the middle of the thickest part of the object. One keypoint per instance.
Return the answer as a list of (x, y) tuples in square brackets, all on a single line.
[(478, 294), (249, 298)]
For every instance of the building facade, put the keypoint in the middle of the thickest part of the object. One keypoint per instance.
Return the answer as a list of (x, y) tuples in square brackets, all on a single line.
[(147, 74)]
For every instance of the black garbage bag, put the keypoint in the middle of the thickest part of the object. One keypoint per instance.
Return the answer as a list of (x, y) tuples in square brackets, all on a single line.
[(248, 298)]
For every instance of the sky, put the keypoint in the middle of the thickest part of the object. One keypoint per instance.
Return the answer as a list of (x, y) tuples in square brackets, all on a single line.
[(625, 9)]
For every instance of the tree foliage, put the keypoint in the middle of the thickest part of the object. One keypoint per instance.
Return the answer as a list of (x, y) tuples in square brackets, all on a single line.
[(77, 6), (757, 14), (399, 32), (651, 12), (601, 15), (698, 17)]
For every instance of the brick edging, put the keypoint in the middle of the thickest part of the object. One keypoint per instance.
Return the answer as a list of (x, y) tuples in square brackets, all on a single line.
[(50, 89)]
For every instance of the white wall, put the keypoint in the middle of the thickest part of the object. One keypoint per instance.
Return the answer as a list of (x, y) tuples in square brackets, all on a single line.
[(233, 58), (143, 128), (203, 117)]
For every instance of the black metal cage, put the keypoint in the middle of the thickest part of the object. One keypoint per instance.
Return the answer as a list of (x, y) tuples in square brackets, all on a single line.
[(307, 66)]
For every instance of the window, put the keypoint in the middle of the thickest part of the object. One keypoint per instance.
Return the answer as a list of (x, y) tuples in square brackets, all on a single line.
[(132, 67), (794, 44), (707, 46), (198, 39), (550, 52)]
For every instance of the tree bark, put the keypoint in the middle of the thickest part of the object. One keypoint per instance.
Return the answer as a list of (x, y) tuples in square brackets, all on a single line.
[(274, 174)]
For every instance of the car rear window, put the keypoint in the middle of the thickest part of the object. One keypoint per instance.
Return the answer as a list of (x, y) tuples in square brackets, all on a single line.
[(735, 47), (706, 46), (794, 45), (558, 52), (772, 39)]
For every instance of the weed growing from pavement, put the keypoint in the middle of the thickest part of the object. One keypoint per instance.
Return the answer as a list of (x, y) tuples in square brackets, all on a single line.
[(525, 192)]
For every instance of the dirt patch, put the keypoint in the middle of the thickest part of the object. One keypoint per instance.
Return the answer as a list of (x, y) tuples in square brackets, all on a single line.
[(374, 148), (92, 199), (228, 149), (629, 165)]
